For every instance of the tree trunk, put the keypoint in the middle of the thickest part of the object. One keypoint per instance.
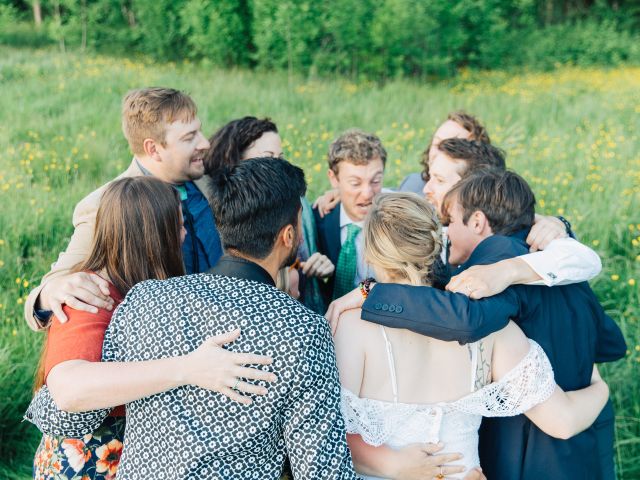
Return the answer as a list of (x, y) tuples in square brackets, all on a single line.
[(549, 12), (37, 13), (58, 17), (127, 12), (83, 45)]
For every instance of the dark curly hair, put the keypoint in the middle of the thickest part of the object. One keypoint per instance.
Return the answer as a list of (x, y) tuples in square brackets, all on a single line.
[(228, 143)]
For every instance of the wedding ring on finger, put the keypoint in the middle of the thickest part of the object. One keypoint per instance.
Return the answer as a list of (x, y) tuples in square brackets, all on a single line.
[(440, 476)]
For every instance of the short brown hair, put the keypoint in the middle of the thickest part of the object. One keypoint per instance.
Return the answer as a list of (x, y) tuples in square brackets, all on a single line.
[(146, 112), (467, 121), (504, 197), (357, 147), (474, 154)]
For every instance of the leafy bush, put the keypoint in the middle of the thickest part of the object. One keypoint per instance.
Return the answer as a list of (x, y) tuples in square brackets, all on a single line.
[(380, 39), (218, 31)]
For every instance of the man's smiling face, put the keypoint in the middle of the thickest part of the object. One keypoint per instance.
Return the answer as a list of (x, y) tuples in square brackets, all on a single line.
[(183, 151)]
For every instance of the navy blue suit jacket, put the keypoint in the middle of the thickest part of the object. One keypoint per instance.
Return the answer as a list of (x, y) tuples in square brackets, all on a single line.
[(329, 244), (567, 321)]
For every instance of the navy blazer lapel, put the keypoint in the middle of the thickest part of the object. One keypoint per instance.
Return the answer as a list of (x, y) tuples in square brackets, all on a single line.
[(329, 233)]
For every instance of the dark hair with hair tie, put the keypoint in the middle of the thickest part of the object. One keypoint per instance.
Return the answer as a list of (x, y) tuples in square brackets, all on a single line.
[(230, 141)]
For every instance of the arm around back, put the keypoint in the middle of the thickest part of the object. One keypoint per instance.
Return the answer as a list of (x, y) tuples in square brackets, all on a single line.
[(518, 361), (443, 315), (78, 249), (564, 261)]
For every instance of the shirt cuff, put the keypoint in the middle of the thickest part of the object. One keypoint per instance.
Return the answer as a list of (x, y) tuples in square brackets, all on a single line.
[(563, 262)]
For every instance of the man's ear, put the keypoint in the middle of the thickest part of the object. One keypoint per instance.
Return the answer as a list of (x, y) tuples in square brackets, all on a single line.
[(480, 223), (333, 178), (150, 147), (288, 235)]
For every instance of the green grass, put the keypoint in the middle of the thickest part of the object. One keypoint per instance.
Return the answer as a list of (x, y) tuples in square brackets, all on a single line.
[(572, 133)]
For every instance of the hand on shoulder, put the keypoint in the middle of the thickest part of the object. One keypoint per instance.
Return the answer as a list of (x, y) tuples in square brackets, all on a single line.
[(351, 300), (81, 290)]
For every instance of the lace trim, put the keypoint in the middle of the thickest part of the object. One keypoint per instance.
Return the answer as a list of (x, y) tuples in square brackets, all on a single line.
[(377, 421), (529, 383)]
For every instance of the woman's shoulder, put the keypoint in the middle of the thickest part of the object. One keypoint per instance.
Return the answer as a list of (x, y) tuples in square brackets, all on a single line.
[(77, 319), (350, 323)]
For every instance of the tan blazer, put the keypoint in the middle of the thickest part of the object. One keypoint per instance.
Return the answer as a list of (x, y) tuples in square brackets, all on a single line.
[(84, 219)]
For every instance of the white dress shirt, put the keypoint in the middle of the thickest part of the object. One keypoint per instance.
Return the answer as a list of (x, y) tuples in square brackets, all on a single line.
[(564, 261), (362, 269)]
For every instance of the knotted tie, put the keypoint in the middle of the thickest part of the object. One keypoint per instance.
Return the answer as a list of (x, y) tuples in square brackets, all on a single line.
[(347, 263)]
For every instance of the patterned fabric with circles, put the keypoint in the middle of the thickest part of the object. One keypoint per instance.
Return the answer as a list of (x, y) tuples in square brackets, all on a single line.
[(193, 433)]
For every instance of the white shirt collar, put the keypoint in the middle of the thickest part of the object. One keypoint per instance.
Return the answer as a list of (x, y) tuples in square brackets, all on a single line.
[(346, 220)]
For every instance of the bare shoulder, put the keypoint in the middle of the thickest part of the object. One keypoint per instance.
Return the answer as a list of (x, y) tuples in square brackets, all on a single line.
[(510, 347), (510, 338), (351, 323)]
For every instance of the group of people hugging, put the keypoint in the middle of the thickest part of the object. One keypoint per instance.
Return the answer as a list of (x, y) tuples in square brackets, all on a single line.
[(207, 322)]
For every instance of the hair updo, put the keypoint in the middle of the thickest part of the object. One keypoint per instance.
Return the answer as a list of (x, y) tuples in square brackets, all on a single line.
[(402, 236)]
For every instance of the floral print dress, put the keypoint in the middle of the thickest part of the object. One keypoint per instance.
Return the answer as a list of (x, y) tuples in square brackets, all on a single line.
[(94, 456)]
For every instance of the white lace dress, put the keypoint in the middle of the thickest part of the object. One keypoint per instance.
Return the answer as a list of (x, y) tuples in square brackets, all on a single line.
[(454, 423)]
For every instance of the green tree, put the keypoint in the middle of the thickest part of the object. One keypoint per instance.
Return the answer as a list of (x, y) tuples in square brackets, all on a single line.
[(218, 31)]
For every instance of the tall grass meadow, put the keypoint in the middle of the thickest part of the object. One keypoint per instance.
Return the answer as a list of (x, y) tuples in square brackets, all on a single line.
[(572, 133)]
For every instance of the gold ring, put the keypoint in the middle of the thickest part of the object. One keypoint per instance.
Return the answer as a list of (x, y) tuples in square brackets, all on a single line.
[(440, 476)]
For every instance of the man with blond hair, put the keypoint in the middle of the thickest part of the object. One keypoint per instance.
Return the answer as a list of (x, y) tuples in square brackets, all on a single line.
[(163, 131), (164, 134), (356, 169)]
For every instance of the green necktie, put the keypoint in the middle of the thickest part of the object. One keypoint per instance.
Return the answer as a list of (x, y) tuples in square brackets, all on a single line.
[(347, 263)]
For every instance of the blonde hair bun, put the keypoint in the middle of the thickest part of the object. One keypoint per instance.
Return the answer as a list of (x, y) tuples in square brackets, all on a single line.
[(402, 235)]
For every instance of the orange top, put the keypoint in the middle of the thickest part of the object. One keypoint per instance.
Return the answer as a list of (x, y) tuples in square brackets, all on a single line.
[(80, 338)]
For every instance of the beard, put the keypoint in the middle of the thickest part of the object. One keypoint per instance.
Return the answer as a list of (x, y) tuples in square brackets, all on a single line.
[(293, 254)]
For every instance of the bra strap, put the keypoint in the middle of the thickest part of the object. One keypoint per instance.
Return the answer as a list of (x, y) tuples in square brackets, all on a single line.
[(392, 367)]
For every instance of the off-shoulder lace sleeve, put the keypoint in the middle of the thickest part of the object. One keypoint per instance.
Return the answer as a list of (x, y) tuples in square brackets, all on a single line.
[(363, 417), (378, 421), (529, 383), (49, 419)]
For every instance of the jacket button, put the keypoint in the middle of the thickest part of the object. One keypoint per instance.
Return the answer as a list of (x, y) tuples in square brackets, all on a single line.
[(392, 308), (377, 306), (385, 307), (399, 309)]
